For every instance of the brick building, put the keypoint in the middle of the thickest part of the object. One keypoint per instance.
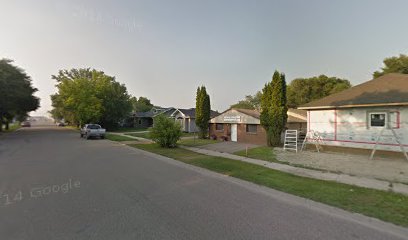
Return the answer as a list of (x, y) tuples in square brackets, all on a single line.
[(243, 125)]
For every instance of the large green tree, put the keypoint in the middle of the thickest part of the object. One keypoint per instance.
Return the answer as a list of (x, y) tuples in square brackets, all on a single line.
[(203, 111), (16, 93), (142, 104), (250, 102), (398, 64), (86, 95), (304, 90), (274, 108)]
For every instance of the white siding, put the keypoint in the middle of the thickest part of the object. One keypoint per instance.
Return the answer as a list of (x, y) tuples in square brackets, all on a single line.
[(350, 127)]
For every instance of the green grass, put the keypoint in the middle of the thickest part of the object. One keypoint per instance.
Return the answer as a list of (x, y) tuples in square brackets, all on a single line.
[(196, 142), (187, 134), (118, 138), (12, 127), (142, 135), (262, 153), (387, 206), (122, 130)]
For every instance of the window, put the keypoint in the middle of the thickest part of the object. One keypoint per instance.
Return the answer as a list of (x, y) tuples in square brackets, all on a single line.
[(377, 119), (251, 128), (93, 126), (140, 121), (219, 126)]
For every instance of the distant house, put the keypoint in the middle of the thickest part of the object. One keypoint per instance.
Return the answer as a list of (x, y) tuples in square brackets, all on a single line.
[(145, 119), (186, 118), (244, 125), (356, 116)]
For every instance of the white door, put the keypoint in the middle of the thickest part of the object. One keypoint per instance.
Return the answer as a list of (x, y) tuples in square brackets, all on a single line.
[(234, 132)]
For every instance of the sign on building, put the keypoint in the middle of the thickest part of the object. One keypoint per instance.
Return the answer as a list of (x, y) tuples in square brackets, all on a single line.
[(232, 118)]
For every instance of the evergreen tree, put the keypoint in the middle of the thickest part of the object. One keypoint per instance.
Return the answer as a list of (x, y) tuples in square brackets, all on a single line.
[(203, 111), (274, 108)]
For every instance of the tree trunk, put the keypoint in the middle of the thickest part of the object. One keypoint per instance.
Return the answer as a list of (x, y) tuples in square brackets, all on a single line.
[(7, 125)]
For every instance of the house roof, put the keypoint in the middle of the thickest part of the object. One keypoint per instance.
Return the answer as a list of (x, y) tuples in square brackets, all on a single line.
[(387, 90), (294, 115), (250, 112), (153, 112), (190, 113)]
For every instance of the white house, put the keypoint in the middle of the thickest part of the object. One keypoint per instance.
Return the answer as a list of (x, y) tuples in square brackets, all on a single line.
[(356, 116)]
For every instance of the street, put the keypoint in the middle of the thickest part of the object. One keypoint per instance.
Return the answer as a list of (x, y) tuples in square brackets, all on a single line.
[(55, 185)]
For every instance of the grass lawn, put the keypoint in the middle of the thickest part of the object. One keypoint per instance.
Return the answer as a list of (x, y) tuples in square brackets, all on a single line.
[(196, 142), (387, 206), (118, 138), (186, 134), (262, 153), (12, 127), (122, 130), (142, 135)]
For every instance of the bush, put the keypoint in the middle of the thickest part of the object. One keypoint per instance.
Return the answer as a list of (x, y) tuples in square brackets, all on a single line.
[(165, 132)]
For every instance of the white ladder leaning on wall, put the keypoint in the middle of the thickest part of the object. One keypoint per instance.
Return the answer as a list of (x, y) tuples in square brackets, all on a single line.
[(396, 139), (291, 140)]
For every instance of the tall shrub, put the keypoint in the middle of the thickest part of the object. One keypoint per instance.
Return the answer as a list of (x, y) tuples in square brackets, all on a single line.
[(203, 111), (274, 108)]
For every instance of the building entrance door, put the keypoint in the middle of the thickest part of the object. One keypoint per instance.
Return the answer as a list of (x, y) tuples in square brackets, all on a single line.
[(234, 132)]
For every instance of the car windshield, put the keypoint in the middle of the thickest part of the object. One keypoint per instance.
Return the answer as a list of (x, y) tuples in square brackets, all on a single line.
[(94, 126)]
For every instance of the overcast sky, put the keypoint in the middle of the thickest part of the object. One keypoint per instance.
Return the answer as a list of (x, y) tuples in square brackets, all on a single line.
[(164, 49)]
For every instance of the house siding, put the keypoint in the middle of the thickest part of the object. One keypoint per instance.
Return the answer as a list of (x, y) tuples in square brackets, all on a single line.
[(350, 127)]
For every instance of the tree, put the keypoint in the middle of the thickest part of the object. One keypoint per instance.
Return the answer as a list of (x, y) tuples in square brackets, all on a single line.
[(203, 111), (274, 108), (86, 95), (304, 90), (250, 102), (142, 104), (165, 131), (393, 65), (16, 93)]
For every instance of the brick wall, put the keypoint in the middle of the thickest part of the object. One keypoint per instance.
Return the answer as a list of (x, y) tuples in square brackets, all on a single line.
[(255, 138), (243, 137)]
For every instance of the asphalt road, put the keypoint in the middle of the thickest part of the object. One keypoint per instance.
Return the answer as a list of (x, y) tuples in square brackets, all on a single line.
[(54, 185)]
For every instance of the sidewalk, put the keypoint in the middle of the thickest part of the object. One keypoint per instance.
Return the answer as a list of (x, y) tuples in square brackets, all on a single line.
[(140, 139), (341, 178)]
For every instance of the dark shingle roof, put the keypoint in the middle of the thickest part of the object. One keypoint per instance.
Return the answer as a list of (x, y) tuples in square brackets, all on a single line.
[(191, 112), (390, 89)]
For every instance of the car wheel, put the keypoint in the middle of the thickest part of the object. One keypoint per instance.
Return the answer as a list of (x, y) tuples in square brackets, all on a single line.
[(102, 137)]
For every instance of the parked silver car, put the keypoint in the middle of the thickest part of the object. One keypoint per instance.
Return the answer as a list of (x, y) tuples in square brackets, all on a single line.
[(93, 130)]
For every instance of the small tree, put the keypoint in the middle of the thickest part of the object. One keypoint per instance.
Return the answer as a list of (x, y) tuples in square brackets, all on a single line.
[(203, 111), (165, 132), (274, 108)]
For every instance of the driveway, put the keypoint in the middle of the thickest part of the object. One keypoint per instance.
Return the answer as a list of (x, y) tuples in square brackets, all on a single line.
[(228, 147), (389, 169), (55, 185)]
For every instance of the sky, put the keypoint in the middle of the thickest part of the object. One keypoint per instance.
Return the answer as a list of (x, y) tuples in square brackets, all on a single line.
[(165, 49)]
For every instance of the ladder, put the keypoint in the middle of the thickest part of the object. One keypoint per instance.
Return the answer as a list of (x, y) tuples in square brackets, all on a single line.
[(396, 139), (313, 137), (291, 140)]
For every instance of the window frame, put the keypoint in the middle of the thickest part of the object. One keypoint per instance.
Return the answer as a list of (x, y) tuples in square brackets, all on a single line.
[(251, 132), (378, 113), (219, 130)]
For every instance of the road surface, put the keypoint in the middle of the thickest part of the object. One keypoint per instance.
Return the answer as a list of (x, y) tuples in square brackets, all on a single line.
[(55, 185)]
